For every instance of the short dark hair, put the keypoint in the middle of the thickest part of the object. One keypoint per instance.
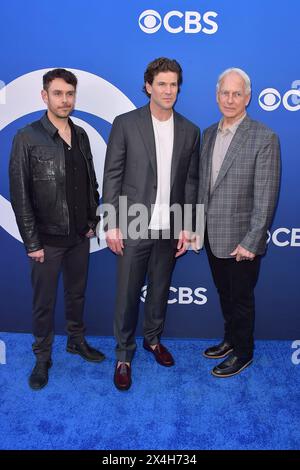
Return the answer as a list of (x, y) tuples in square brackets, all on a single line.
[(66, 75), (162, 64)]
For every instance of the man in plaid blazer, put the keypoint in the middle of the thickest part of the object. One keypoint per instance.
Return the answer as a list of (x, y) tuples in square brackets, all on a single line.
[(239, 183)]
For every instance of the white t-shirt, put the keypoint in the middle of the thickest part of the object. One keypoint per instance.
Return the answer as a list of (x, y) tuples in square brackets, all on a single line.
[(164, 139)]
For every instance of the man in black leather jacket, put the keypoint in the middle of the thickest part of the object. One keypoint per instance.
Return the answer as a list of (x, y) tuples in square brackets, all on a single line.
[(54, 196)]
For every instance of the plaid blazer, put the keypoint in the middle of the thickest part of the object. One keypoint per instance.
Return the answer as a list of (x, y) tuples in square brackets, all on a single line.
[(240, 208)]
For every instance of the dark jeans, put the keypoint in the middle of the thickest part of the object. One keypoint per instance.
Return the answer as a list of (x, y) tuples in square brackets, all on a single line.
[(156, 258), (73, 262), (235, 282)]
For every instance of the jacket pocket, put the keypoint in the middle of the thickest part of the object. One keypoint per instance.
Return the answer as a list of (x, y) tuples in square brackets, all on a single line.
[(43, 163)]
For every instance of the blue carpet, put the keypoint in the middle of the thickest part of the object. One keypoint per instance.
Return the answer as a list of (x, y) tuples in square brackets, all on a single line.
[(183, 407)]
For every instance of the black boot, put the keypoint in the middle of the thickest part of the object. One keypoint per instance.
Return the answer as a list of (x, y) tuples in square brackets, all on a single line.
[(218, 351), (39, 375), (85, 350)]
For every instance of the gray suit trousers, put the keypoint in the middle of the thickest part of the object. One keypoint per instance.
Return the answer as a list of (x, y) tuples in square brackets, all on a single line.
[(156, 258)]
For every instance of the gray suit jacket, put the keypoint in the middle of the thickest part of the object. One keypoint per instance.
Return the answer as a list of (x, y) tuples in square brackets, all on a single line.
[(241, 206), (130, 165)]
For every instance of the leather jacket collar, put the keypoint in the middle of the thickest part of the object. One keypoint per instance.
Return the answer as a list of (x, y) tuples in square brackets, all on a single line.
[(52, 130)]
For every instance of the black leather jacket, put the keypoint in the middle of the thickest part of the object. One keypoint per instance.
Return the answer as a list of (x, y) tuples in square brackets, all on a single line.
[(38, 183)]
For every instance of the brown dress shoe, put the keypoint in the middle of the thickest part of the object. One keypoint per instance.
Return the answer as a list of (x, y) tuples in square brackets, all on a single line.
[(122, 376), (161, 354)]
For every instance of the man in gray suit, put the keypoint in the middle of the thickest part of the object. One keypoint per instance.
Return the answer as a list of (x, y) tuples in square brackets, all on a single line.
[(152, 159), (239, 183)]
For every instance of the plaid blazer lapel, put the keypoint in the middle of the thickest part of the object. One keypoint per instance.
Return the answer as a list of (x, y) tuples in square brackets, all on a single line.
[(234, 150)]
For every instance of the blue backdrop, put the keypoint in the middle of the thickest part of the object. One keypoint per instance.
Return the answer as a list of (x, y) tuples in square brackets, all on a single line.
[(109, 44)]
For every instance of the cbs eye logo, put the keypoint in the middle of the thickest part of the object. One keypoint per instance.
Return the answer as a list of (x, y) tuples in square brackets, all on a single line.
[(150, 21), (182, 295), (270, 99)]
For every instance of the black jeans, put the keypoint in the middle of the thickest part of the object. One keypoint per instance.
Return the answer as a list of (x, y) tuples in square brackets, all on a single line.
[(73, 262), (235, 282)]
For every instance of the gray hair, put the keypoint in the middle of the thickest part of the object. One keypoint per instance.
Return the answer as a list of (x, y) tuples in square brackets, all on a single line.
[(241, 72)]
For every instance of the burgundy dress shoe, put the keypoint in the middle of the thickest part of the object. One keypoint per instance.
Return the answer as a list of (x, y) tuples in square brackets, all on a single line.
[(161, 354), (122, 376)]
